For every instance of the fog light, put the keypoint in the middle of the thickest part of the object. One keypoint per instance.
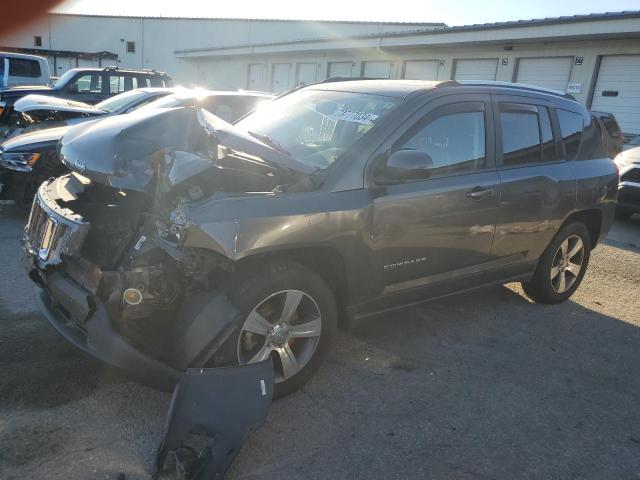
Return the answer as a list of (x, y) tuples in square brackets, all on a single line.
[(132, 296)]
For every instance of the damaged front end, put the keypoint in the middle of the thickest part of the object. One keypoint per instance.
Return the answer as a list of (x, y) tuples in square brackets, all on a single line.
[(105, 241)]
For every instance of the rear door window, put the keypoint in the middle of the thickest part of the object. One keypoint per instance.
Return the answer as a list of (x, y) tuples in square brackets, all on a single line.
[(120, 83), (520, 134), (88, 83), (571, 127), (21, 67)]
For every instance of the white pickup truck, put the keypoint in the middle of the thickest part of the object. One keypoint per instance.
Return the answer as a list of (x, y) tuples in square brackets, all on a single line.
[(23, 69)]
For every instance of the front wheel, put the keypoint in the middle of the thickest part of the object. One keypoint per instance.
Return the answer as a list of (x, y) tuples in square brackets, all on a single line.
[(561, 267), (288, 314)]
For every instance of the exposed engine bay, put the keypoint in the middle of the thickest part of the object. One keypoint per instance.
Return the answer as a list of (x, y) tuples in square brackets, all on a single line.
[(111, 233)]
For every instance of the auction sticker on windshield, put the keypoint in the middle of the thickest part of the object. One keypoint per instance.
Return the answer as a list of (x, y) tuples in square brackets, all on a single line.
[(356, 117)]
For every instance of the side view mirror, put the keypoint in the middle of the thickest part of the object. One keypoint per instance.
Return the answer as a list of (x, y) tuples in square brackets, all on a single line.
[(408, 165), (73, 88)]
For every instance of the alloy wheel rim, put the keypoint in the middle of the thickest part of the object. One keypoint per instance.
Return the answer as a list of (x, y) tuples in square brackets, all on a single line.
[(567, 264), (286, 326)]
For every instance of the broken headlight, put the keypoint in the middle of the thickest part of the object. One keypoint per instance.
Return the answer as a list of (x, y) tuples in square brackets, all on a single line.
[(19, 162)]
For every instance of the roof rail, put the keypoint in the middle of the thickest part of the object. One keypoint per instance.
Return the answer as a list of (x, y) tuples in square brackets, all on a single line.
[(519, 86)]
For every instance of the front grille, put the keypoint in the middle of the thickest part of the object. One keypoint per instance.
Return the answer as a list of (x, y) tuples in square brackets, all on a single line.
[(49, 233), (632, 175)]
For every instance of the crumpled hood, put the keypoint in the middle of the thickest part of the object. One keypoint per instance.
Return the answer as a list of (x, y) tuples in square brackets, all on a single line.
[(119, 150), (34, 141), (31, 103)]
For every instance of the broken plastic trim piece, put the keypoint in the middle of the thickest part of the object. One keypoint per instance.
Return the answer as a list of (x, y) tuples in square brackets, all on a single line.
[(212, 412)]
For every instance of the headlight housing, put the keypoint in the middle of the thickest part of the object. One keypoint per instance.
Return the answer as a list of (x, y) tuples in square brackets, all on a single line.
[(19, 162)]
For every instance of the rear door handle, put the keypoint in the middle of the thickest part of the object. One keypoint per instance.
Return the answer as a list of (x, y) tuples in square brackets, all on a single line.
[(478, 192)]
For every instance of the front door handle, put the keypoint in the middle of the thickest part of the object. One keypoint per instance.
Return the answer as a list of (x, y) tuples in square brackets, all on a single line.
[(478, 192)]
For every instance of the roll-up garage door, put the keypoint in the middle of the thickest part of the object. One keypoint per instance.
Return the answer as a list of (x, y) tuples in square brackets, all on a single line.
[(255, 78), (339, 69), (377, 69), (476, 69), (281, 77), (307, 73), (421, 69), (549, 72), (617, 90)]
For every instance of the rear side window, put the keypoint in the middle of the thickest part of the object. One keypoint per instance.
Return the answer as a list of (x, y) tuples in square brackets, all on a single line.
[(520, 137), (142, 82), (571, 126), (612, 127), (157, 81), (20, 67)]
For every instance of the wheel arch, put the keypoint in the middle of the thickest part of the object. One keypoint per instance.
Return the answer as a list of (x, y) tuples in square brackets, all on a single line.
[(592, 219), (327, 262)]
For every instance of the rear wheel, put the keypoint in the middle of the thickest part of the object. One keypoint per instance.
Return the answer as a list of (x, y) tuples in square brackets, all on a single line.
[(561, 267), (287, 314)]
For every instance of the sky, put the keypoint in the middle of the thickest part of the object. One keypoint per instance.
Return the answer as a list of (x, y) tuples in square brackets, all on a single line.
[(451, 12)]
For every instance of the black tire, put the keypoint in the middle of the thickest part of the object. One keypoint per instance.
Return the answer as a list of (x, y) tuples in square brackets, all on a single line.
[(622, 214), (252, 287), (541, 288)]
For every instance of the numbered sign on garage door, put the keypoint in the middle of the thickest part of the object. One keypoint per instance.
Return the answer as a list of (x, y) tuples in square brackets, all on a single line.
[(281, 77), (617, 90), (339, 69), (377, 69), (255, 77), (547, 72), (476, 69), (307, 73), (421, 69)]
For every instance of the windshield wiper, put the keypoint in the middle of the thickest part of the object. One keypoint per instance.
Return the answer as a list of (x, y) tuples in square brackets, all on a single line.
[(269, 141)]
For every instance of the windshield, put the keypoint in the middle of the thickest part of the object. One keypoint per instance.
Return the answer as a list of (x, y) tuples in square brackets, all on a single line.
[(122, 101), (316, 126), (65, 78)]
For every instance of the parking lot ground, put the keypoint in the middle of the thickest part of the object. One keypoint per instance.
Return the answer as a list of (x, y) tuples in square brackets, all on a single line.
[(485, 385)]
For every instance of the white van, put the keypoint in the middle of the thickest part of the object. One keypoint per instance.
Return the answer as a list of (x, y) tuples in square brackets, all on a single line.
[(22, 69)]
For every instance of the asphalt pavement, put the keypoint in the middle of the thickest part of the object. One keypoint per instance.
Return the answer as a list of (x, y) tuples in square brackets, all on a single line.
[(485, 385)]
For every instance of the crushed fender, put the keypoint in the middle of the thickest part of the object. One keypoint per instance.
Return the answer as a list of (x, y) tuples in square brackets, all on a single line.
[(212, 412)]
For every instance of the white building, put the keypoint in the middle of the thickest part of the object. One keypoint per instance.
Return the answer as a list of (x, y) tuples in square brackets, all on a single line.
[(595, 57)]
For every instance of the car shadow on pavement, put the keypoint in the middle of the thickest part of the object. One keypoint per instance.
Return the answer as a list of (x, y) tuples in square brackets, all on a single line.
[(481, 385), (40, 368)]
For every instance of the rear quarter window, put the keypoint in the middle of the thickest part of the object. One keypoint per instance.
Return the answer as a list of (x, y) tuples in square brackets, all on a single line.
[(571, 127), (612, 126), (21, 67)]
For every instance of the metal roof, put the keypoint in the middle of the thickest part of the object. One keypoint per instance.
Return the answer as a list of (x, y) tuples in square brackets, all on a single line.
[(441, 29), (247, 19)]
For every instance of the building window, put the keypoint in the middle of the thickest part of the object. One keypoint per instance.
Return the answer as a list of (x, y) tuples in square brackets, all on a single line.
[(131, 47), (37, 41)]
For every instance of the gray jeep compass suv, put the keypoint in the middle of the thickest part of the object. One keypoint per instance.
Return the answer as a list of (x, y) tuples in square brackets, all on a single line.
[(180, 240)]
